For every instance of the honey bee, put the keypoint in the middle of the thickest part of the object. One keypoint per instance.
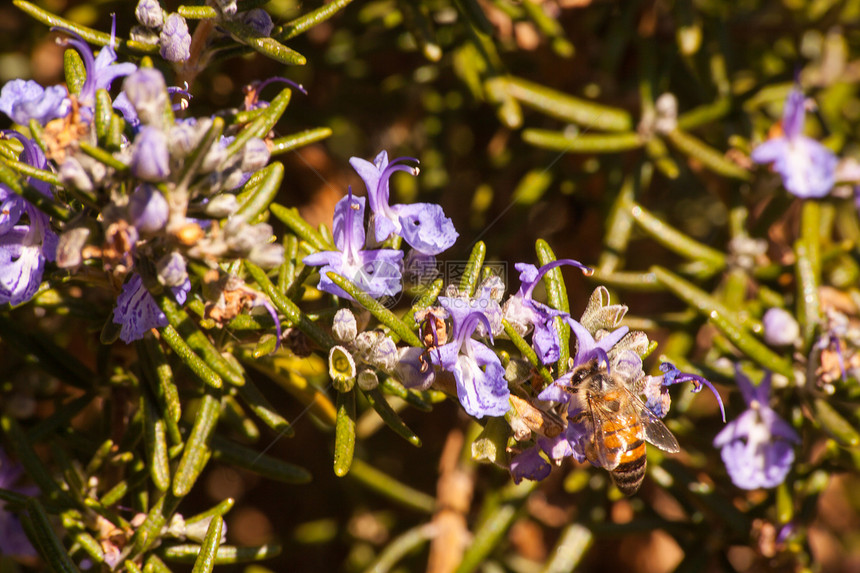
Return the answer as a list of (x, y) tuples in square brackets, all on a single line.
[(617, 424)]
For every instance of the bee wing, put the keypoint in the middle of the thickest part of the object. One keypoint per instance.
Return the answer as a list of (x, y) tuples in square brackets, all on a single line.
[(608, 443), (654, 431)]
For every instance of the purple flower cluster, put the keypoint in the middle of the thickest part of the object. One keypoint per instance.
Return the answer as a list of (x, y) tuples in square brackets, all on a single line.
[(151, 222), (758, 446), (379, 271), (807, 168)]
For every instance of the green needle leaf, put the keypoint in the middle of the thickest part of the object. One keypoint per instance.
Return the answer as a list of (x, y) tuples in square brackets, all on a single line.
[(344, 433), (428, 297), (390, 488), (156, 442), (269, 47), (557, 295), (225, 555), (264, 409), (567, 107), (582, 143), (187, 355), (232, 453), (393, 387), (676, 241), (291, 218), (262, 189), (311, 19), (494, 529), (196, 453), (707, 155), (263, 124), (834, 424), (88, 34), (206, 558), (750, 345), (50, 547), (390, 417), (199, 342), (74, 70), (472, 272), (300, 139)]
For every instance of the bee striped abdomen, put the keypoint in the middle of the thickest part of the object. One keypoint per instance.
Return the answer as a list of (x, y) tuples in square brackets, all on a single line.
[(630, 472)]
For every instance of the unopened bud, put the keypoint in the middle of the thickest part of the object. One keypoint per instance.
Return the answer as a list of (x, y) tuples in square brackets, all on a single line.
[(367, 380), (345, 327), (341, 369), (780, 327)]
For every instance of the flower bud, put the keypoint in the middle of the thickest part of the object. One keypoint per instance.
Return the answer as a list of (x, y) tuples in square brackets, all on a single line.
[(171, 270), (255, 155), (148, 209), (186, 134), (258, 20), (367, 380), (341, 368), (73, 174), (780, 327), (70, 245), (143, 35), (150, 159), (267, 256), (666, 108), (344, 327), (222, 206), (227, 7), (216, 155), (175, 40), (149, 13), (147, 92), (383, 354), (365, 341)]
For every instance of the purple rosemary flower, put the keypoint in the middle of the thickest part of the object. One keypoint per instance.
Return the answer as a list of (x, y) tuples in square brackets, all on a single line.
[(136, 310), (657, 389), (175, 40), (24, 248), (525, 313), (25, 100), (13, 541), (377, 272), (480, 377), (807, 167), (529, 464), (413, 369), (758, 446), (101, 70), (150, 158), (423, 226)]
